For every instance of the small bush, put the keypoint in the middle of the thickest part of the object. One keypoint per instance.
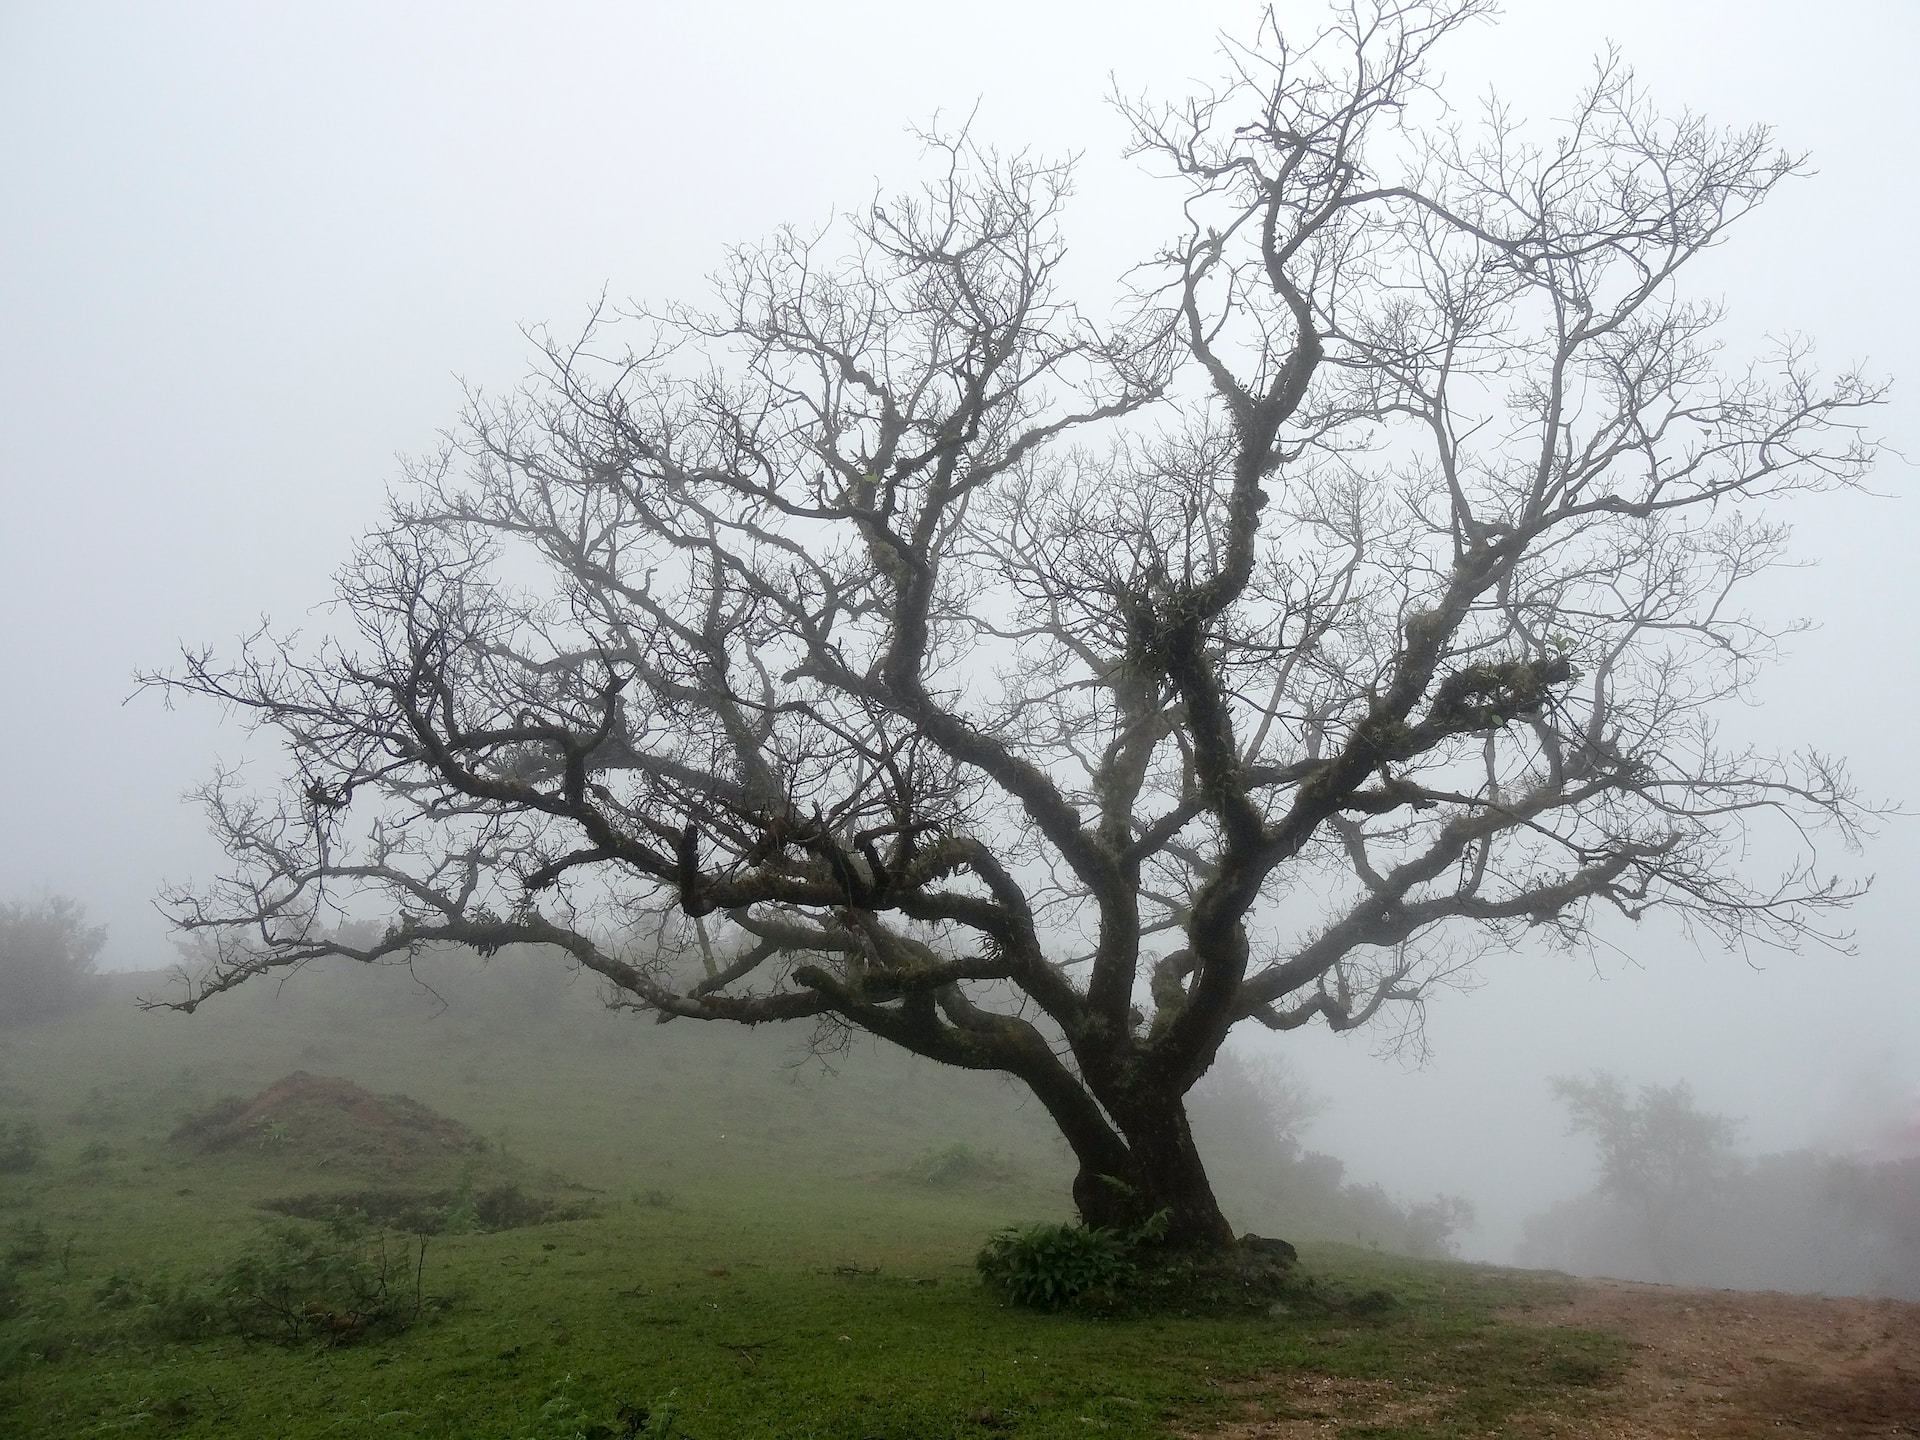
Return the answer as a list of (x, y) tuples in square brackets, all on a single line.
[(16, 1350), (206, 1130), (180, 1312), (462, 1216), (29, 1245), (335, 1286), (960, 1164), (159, 1308), (119, 1290), (565, 1415), (99, 1109), (21, 1146), (1047, 1266)]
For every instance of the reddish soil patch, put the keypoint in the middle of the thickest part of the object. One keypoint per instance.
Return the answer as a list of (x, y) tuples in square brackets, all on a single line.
[(1328, 1405), (1707, 1365), (322, 1117), (1739, 1364)]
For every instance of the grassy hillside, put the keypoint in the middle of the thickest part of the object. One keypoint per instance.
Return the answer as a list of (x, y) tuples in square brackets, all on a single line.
[(761, 1246), (538, 1063)]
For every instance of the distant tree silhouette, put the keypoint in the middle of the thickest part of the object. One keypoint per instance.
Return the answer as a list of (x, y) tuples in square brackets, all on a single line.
[(47, 954), (1659, 1153), (1673, 1202)]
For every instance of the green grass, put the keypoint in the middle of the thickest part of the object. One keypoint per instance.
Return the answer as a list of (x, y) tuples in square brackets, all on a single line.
[(800, 1277)]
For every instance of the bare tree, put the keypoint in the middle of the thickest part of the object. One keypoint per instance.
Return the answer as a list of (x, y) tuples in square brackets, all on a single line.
[(893, 646)]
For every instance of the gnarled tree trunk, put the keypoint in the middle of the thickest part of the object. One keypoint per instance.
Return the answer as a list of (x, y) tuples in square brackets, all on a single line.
[(1164, 1173)]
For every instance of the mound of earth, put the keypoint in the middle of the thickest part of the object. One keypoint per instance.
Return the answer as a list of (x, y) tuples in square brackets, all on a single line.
[(321, 1119)]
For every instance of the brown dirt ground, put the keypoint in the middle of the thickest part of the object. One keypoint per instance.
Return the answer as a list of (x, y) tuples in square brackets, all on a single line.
[(1712, 1364)]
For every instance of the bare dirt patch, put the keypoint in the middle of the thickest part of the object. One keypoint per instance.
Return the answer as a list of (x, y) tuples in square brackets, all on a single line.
[(1706, 1365), (1735, 1364), (1313, 1405)]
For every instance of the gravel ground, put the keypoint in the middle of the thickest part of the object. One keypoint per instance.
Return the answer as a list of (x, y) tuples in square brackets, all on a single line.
[(1738, 1363), (1712, 1364)]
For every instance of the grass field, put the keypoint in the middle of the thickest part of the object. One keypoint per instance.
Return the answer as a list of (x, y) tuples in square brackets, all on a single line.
[(764, 1247)]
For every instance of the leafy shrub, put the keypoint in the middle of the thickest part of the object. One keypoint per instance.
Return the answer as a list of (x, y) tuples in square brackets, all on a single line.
[(462, 1215), (1047, 1266), (334, 1286), (29, 1245), (160, 1308), (1432, 1224), (47, 954), (960, 1164), (15, 1350), (565, 1415), (119, 1290), (178, 1311), (21, 1146)]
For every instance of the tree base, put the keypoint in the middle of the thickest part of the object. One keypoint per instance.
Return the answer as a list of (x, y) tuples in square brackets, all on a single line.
[(1253, 1275)]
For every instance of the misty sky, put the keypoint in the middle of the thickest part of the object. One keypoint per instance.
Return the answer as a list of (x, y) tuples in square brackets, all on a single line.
[(250, 252)]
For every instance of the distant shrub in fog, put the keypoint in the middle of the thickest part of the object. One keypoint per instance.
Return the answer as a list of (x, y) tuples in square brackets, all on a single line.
[(1674, 1204), (1258, 1105), (959, 1165), (1248, 1116), (1667, 1161), (1884, 1199), (47, 955)]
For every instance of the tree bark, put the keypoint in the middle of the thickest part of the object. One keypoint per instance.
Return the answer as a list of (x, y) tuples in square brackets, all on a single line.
[(1125, 1180)]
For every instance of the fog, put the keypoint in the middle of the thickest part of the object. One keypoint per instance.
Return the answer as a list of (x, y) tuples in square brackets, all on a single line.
[(250, 254)]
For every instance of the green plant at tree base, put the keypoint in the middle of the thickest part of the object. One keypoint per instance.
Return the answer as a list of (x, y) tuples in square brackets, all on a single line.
[(1045, 1267)]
